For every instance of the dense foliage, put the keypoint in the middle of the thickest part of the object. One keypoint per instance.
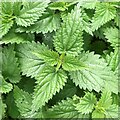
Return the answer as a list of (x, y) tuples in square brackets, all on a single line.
[(59, 59)]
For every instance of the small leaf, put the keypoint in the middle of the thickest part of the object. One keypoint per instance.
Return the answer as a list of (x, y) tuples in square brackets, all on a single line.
[(5, 87), (97, 114), (10, 69), (70, 63), (87, 103)]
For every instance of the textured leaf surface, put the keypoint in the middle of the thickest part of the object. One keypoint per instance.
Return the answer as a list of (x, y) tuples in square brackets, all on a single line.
[(48, 23), (48, 56), (70, 63), (31, 12), (5, 87), (13, 37), (97, 74), (23, 101), (112, 36), (105, 100), (48, 83), (65, 109), (30, 64), (68, 38), (104, 12), (2, 109), (86, 104), (10, 68)]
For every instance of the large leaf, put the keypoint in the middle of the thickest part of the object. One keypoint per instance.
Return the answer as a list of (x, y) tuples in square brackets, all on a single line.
[(97, 75), (23, 101), (65, 109), (104, 12), (13, 37), (87, 103), (49, 81), (31, 12), (68, 38), (30, 64), (10, 68), (112, 36), (48, 23)]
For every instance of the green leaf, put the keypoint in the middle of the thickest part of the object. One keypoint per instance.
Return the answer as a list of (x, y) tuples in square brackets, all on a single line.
[(48, 23), (5, 87), (87, 103), (49, 81), (68, 38), (2, 109), (105, 100), (5, 25), (13, 37), (112, 112), (112, 59), (96, 76), (48, 56), (30, 64), (111, 34), (65, 109), (70, 63), (12, 109), (31, 12), (23, 101), (97, 114), (104, 12), (6, 7), (61, 6), (10, 68)]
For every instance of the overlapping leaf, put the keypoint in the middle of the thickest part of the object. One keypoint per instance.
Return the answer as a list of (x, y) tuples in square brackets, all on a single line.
[(31, 12), (48, 23), (49, 81), (10, 68), (65, 109), (97, 74), (68, 38), (86, 104), (30, 64), (104, 12)]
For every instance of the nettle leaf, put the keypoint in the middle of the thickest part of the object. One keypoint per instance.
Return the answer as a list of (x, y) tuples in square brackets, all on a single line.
[(96, 76), (23, 101), (68, 38), (49, 81), (97, 114), (31, 12), (2, 109), (5, 26), (5, 87), (13, 37), (10, 68), (48, 22), (111, 34), (71, 63), (112, 112), (87, 103), (65, 109), (105, 100), (104, 12), (112, 59), (48, 56), (30, 64)]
